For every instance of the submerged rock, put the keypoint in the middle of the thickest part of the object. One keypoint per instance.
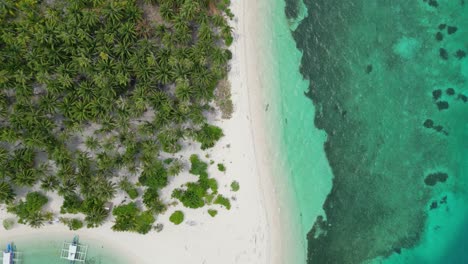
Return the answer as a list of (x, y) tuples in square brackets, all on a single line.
[(433, 205), (442, 26), (451, 30), (450, 91), (369, 68), (463, 97), (439, 36), (433, 3), (436, 94), (433, 178), (438, 128), (442, 105), (428, 123), (443, 53), (460, 54)]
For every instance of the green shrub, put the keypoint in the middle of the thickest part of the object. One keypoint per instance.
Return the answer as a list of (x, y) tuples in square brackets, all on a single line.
[(208, 135), (71, 204), (95, 212), (7, 194), (223, 201), (153, 202), (144, 222), (213, 185), (209, 198), (212, 212), (192, 197), (129, 218), (154, 175), (75, 224), (129, 188), (8, 223), (221, 167), (132, 193), (29, 211), (168, 161), (235, 186), (177, 217), (198, 167), (175, 168)]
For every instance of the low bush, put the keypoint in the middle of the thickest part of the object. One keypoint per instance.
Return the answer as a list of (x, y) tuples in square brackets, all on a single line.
[(208, 135), (223, 201), (177, 217), (8, 223), (235, 186), (212, 212)]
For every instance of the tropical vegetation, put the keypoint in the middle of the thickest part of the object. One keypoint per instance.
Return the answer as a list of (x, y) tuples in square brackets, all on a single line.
[(92, 92), (177, 217)]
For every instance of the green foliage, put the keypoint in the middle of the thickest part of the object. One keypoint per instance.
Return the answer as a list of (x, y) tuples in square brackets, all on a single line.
[(196, 193), (153, 202), (73, 224), (223, 201), (177, 217), (8, 223), (68, 67), (154, 175), (175, 168), (71, 204), (95, 213), (221, 167), (208, 135), (129, 188), (235, 186), (212, 212), (192, 197), (7, 194), (198, 167), (29, 210), (129, 218)]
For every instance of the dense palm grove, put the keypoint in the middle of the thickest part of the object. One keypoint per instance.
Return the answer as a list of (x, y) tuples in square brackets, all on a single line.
[(91, 90)]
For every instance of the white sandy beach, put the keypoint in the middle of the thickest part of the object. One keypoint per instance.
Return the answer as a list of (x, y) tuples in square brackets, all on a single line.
[(248, 233)]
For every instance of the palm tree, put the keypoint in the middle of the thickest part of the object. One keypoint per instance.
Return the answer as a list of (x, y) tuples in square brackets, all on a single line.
[(96, 215), (92, 143), (105, 190), (190, 9), (7, 194), (204, 33), (163, 74), (175, 168), (113, 12), (183, 90), (68, 187), (36, 220), (166, 11), (26, 177), (50, 183)]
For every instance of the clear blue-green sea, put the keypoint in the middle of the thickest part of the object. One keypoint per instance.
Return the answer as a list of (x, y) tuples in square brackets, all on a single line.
[(46, 250), (373, 117)]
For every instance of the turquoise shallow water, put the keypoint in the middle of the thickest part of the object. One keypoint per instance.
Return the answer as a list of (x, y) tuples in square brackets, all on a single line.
[(388, 83), (300, 142), (47, 251)]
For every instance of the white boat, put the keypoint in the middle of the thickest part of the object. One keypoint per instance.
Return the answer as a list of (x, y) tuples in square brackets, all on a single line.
[(8, 254), (74, 251)]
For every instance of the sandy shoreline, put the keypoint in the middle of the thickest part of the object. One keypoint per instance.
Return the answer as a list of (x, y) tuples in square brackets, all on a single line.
[(250, 232)]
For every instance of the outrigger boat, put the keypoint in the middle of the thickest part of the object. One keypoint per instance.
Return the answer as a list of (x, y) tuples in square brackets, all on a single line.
[(74, 251), (9, 254)]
